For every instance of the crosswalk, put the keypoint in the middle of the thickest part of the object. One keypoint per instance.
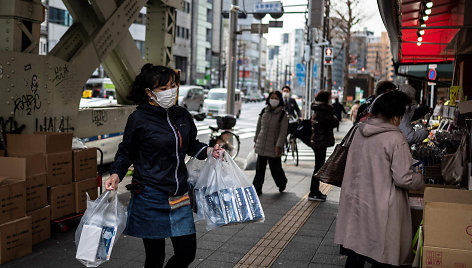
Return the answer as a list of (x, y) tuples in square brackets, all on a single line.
[(243, 131), (305, 153)]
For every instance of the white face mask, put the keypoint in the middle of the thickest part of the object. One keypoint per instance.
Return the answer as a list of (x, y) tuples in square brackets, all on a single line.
[(274, 103), (286, 95), (166, 98)]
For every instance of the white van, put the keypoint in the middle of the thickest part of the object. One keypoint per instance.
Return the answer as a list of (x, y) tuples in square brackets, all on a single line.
[(215, 103)]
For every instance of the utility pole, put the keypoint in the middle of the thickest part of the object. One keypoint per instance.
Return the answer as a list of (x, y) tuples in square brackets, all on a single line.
[(260, 58), (233, 26), (325, 34), (277, 74), (285, 75)]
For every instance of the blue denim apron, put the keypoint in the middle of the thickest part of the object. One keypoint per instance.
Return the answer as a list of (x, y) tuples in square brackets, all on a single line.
[(150, 216)]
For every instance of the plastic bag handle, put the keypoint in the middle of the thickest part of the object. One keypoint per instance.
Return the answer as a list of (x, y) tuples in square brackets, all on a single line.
[(199, 151)]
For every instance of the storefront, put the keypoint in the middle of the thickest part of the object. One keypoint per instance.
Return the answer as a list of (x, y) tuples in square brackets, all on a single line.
[(431, 43)]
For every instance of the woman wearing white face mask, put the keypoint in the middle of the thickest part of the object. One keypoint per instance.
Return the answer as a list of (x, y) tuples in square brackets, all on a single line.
[(156, 139), (269, 140)]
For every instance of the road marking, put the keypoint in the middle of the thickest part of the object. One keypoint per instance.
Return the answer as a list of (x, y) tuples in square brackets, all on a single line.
[(268, 249)]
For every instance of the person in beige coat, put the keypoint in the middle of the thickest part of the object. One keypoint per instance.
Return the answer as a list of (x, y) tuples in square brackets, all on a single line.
[(374, 221), (269, 142)]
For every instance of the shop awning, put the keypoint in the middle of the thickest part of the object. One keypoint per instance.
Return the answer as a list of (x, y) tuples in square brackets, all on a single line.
[(405, 23)]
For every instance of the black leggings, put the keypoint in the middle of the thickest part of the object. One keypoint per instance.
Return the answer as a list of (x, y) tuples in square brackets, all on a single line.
[(185, 248)]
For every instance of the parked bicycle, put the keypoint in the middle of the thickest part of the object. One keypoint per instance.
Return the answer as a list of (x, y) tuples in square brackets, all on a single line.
[(291, 148), (224, 136)]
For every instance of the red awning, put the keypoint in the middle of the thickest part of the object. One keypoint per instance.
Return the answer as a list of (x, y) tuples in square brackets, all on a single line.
[(442, 25)]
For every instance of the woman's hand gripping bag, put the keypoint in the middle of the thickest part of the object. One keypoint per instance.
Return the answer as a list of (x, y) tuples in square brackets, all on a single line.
[(224, 195), (100, 227)]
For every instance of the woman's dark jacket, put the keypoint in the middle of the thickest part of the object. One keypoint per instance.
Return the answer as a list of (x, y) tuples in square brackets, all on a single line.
[(156, 141), (323, 121)]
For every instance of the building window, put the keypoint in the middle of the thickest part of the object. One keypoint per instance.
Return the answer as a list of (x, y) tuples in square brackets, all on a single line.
[(208, 54), (60, 16), (209, 15), (177, 31), (187, 7), (140, 45), (187, 35), (208, 35)]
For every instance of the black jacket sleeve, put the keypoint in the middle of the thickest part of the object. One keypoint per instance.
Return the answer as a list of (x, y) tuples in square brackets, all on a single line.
[(126, 150), (194, 144), (297, 109)]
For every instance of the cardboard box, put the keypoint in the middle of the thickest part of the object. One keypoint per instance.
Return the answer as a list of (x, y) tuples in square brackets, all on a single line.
[(35, 163), (36, 192), (84, 164), (444, 257), (86, 186), (62, 200), (448, 218), (15, 239), (41, 224), (13, 167), (59, 168), (40, 142), (12, 199)]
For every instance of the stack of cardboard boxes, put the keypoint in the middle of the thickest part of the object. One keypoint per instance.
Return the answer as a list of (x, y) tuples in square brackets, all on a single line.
[(42, 179)]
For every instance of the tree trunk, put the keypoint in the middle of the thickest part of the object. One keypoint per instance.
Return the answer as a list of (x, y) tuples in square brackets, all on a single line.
[(329, 80)]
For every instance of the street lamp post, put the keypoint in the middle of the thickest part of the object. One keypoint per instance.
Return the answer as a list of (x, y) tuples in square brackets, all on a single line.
[(232, 58)]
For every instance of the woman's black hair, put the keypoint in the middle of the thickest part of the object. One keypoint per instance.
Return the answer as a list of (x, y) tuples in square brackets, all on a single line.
[(323, 96), (279, 96), (147, 78), (391, 104)]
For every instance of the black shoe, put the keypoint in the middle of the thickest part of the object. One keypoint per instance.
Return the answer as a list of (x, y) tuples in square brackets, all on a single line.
[(282, 188), (318, 197)]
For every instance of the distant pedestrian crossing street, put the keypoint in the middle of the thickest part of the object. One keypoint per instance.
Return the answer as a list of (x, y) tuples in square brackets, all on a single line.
[(244, 132)]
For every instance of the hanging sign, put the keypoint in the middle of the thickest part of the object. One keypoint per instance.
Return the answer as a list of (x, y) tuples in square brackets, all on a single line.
[(454, 94)]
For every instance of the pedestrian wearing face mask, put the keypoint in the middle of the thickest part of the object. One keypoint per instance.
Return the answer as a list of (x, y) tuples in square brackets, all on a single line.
[(157, 137), (290, 105), (269, 141)]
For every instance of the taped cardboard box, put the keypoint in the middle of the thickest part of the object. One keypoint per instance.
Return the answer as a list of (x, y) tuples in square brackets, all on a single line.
[(41, 224), (445, 257), (81, 188), (84, 164), (448, 218), (40, 142), (62, 200), (12, 199), (36, 192), (15, 239), (13, 167), (59, 168), (35, 163)]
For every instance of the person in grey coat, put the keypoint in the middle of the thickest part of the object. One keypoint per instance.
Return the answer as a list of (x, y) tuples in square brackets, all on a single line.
[(269, 142), (374, 220), (412, 135)]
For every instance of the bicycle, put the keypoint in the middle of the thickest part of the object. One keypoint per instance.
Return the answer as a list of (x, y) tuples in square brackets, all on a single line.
[(291, 147), (224, 137)]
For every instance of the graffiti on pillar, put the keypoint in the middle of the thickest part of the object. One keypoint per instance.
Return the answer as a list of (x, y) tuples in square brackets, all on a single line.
[(54, 124), (99, 117), (30, 102), (9, 126), (60, 74)]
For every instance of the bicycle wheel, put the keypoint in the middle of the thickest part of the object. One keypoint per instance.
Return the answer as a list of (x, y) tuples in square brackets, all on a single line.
[(286, 151), (230, 142)]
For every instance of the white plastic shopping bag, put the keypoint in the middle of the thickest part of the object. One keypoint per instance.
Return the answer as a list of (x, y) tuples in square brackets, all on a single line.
[(101, 225), (251, 160), (224, 195)]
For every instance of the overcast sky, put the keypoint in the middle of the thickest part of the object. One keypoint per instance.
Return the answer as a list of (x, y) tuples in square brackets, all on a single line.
[(372, 20)]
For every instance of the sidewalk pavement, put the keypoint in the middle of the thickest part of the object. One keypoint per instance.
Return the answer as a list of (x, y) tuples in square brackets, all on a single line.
[(296, 232)]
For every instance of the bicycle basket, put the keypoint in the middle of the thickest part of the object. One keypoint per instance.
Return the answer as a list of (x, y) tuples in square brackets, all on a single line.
[(225, 122)]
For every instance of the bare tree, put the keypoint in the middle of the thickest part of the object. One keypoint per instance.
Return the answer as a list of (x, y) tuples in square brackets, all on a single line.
[(349, 17)]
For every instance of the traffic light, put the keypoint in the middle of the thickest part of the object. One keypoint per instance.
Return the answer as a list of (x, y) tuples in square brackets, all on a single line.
[(328, 56)]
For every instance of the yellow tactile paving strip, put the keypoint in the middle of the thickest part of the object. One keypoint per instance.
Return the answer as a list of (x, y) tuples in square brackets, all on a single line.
[(266, 251)]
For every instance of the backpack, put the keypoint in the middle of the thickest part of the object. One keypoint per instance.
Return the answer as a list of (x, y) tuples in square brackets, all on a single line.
[(281, 114)]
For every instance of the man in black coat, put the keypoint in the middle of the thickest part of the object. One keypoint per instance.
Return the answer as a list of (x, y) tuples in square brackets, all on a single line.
[(338, 110), (291, 106)]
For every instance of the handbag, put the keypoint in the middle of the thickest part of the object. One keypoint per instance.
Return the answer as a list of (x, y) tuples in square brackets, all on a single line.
[(332, 172), (453, 165), (303, 131), (251, 161)]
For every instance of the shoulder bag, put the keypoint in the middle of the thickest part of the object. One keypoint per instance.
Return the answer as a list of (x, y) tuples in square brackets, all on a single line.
[(332, 172)]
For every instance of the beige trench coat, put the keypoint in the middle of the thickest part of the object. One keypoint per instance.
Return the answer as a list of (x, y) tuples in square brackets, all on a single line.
[(374, 217), (271, 131)]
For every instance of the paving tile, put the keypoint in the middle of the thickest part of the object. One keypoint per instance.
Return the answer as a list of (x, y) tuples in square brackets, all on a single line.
[(231, 257), (290, 263), (299, 251), (214, 264), (329, 259), (208, 244), (216, 237)]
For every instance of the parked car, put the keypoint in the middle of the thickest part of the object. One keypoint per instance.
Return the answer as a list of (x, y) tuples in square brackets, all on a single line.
[(254, 96), (191, 97), (215, 103)]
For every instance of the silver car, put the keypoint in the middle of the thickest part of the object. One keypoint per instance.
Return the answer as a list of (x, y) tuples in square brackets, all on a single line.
[(191, 97)]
